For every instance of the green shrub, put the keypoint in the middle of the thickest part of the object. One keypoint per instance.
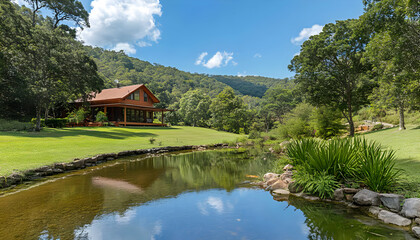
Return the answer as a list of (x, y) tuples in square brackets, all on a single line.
[(77, 115), (12, 125), (344, 159), (377, 167), (52, 122), (152, 140), (327, 122), (321, 184), (254, 134), (377, 127), (101, 117)]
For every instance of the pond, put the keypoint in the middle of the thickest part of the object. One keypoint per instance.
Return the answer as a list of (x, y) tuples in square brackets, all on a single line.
[(196, 195)]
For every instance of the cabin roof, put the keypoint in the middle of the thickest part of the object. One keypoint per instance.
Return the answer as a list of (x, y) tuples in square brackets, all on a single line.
[(120, 93)]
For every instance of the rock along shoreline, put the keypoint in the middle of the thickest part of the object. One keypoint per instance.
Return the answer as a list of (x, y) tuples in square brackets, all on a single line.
[(390, 208), (18, 178)]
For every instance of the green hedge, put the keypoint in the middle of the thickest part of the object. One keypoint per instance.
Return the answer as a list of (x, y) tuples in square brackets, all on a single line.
[(52, 122), (12, 125)]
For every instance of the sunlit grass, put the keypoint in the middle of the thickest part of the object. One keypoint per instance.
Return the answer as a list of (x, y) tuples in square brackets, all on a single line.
[(26, 150)]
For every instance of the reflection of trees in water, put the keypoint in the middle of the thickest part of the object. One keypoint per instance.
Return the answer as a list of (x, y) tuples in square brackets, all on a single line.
[(61, 209), (330, 221)]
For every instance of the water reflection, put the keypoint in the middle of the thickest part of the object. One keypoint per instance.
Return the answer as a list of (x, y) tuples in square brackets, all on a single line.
[(185, 196)]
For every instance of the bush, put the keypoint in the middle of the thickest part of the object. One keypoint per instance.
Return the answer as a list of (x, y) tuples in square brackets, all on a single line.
[(297, 123), (254, 134), (77, 116), (344, 159), (152, 140), (321, 184), (101, 117), (327, 123), (52, 122), (377, 127), (12, 125), (376, 166)]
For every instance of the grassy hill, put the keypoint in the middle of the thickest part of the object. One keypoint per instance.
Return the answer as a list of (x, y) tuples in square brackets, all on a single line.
[(407, 146), (26, 150)]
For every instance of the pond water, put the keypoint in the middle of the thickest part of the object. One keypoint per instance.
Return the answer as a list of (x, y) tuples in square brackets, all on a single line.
[(197, 195)]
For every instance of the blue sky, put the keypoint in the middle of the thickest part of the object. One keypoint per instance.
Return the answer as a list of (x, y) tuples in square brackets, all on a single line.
[(235, 37)]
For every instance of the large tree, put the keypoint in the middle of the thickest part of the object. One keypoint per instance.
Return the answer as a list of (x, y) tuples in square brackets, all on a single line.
[(194, 108), (394, 51), (330, 71)]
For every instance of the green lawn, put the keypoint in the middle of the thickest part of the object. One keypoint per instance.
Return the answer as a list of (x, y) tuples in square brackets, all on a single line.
[(407, 146), (26, 150)]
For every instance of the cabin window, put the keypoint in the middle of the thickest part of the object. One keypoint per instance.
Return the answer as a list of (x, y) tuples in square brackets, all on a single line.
[(134, 96), (146, 98)]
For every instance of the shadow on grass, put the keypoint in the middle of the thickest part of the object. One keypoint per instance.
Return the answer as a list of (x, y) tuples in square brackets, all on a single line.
[(408, 183), (115, 133), (416, 128)]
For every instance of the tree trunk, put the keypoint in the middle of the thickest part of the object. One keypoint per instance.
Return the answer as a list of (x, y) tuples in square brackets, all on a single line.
[(46, 114), (38, 120), (402, 123)]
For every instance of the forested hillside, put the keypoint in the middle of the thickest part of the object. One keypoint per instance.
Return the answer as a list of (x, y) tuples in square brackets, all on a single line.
[(170, 83)]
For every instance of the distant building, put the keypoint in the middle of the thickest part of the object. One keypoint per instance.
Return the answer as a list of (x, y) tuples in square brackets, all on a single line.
[(129, 105)]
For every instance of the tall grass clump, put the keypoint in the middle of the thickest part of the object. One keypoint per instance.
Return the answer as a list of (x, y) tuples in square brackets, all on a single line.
[(324, 163)]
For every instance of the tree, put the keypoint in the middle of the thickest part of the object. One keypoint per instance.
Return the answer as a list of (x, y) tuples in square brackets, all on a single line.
[(65, 10), (330, 71), (297, 123), (279, 100), (327, 122), (394, 51), (194, 108), (229, 112)]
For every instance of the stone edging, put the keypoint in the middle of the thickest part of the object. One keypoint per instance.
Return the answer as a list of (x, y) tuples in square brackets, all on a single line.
[(392, 209), (57, 168)]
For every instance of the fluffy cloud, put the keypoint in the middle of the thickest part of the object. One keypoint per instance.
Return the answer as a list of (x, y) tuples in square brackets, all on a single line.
[(219, 59), (122, 24), (306, 33), (127, 48), (257, 55)]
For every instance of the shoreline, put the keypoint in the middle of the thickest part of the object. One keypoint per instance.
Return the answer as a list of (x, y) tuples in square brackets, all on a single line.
[(18, 178)]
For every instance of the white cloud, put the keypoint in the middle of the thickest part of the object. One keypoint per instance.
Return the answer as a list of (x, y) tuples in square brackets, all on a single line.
[(117, 22), (257, 55), (126, 47), (200, 58), (242, 74), (144, 44), (306, 33), (219, 59), (20, 2)]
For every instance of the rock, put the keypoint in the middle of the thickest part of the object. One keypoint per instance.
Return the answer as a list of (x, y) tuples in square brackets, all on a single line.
[(366, 198), (374, 210), (261, 183), (411, 208), (281, 192), (79, 163), (269, 176), (393, 218), (14, 178), (349, 197), (311, 198), (61, 166), (339, 194), (295, 188), (391, 201), (278, 184), (417, 221), (287, 177), (350, 190), (272, 181), (416, 231), (58, 170), (288, 167), (70, 166), (110, 159)]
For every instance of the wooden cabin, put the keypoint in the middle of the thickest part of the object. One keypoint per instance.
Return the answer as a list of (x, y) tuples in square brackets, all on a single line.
[(128, 106)]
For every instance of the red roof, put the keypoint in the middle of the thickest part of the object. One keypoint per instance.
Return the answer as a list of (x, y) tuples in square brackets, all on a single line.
[(120, 93)]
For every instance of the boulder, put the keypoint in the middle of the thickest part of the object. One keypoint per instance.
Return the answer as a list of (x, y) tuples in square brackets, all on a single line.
[(278, 184), (416, 231), (393, 218), (281, 192), (417, 221), (269, 176), (349, 197), (350, 190), (272, 181), (374, 210), (294, 187), (79, 163), (391, 201), (411, 208), (288, 167), (339, 194), (287, 177), (366, 198)]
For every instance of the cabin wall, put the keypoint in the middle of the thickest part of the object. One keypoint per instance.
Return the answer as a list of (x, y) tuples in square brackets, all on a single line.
[(141, 101)]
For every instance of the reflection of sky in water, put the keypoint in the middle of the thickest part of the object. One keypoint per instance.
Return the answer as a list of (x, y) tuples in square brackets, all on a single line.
[(212, 214)]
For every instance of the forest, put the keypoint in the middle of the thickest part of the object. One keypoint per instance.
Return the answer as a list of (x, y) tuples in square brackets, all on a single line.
[(356, 69)]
